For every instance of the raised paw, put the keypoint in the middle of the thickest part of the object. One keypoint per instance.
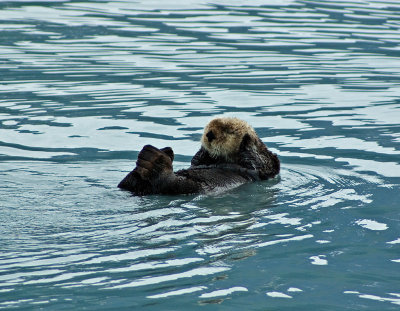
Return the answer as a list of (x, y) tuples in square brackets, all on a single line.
[(153, 162)]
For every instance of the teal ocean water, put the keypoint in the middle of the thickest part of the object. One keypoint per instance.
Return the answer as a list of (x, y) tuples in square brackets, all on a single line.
[(85, 84)]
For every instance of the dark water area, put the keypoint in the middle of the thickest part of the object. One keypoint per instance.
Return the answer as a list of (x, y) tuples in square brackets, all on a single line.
[(85, 84)]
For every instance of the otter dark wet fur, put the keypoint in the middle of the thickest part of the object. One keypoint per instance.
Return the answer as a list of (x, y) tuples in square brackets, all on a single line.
[(231, 154)]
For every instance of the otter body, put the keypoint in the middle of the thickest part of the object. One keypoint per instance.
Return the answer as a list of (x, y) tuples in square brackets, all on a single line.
[(231, 154)]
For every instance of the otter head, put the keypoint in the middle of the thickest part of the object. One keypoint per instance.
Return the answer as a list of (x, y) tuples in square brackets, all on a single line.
[(223, 136)]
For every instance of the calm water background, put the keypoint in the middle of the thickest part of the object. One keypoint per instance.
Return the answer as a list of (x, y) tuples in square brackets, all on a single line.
[(85, 84)]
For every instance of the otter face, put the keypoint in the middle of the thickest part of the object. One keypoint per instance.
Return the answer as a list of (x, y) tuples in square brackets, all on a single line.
[(222, 137)]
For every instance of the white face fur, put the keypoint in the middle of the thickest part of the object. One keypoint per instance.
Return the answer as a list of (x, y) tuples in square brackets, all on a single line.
[(222, 136)]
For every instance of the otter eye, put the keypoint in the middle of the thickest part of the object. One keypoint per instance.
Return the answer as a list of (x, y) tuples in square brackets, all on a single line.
[(210, 136)]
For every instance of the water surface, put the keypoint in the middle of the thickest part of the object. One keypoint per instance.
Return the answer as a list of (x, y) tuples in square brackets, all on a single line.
[(85, 84)]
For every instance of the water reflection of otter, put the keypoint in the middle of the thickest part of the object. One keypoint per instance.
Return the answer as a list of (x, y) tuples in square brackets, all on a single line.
[(231, 154)]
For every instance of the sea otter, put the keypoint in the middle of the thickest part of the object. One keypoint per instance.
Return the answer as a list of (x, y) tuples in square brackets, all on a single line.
[(231, 154)]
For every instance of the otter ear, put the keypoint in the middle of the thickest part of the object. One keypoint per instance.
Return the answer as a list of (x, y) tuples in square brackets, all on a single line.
[(245, 142), (169, 152)]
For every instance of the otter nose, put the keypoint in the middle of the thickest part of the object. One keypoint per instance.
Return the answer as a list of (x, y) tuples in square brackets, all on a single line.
[(210, 136)]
